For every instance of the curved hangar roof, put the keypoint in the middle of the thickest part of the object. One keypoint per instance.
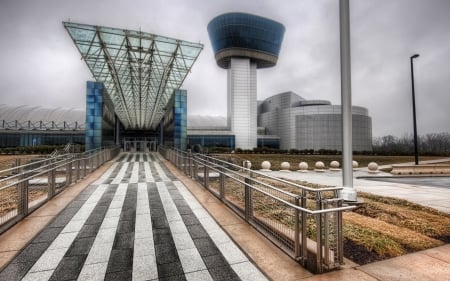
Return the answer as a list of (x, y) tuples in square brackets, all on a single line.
[(245, 35), (37, 113), (139, 70)]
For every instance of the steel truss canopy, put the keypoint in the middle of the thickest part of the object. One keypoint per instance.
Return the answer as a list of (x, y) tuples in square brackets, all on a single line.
[(139, 70)]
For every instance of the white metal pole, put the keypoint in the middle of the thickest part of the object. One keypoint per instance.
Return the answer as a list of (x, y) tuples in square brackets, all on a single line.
[(348, 193)]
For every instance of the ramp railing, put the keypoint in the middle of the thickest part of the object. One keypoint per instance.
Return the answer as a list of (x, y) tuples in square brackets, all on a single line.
[(24, 187), (304, 222)]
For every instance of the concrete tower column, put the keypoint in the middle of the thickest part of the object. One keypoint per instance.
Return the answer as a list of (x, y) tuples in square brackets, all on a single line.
[(243, 43), (242, 102)]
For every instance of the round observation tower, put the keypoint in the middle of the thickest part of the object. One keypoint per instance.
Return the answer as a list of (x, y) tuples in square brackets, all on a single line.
[(243, 43)]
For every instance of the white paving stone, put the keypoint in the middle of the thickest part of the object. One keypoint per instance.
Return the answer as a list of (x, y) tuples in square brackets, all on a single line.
[(144, 256), (202, 275), (148, 173), (63, 240), (231, 253), (38, 276), (160, 171), (144, 268), (247, 271), (191, 260), (49, 260), (93, 272)]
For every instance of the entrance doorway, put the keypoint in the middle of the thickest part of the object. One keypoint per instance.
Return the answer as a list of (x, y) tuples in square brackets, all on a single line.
[(140, 144)]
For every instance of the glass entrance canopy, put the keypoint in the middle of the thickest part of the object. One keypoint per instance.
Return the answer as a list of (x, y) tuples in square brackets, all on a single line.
[(139, 70)]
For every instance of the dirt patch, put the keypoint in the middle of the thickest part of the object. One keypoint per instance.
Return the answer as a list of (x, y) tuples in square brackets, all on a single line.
[(358, 253)]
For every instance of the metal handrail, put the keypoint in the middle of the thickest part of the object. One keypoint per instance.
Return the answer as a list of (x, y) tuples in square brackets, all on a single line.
[(322, 219), (274, 178), (71, 167)]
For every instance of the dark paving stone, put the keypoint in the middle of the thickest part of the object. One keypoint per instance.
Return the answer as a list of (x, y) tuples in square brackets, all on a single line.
[(68, 269), (157, 210), (89, 230), (61, 220), (48, 235), (95, 218), (214, 261), (81, 246), (224, 273), (126, 226), (179, 200), (160, 222), (166, 254), (83, 197), (190, 219), (197, 231), (76, 204), (119, 276), (31, 253), (120, 260), (15, 271), (124, 241), (105, 201), (128, 215), (170, 269), (162, 236), (173, 278), (206, 247), (184, 210)]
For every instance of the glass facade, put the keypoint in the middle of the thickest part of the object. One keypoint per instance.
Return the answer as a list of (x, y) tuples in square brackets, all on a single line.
[(212, 140), (270, 142), (99, 117), (239, 30), (175, 121), (139, 70), (15, 139)]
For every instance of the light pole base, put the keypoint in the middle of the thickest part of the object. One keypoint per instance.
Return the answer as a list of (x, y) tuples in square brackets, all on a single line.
[(348, 194)]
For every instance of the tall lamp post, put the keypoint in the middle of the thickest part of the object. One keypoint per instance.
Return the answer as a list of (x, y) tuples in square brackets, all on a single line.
[(416, 151)]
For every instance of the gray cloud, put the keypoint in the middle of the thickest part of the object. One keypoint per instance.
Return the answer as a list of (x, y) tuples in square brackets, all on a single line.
[(40, 64)]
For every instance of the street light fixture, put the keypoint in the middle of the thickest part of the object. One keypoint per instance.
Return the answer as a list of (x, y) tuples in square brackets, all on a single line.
[(416, 151)]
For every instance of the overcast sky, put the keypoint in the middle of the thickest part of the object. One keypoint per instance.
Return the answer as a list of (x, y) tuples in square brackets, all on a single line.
[(40, 64)]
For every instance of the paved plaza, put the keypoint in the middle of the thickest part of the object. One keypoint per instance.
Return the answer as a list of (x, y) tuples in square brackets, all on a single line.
[(136, 222), (432, 192), (139, 218)]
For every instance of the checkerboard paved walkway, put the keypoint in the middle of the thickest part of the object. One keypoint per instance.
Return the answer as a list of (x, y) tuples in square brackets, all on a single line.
[(136, 222)]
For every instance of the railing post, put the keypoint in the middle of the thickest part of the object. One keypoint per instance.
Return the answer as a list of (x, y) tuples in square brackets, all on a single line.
[(326, 236), (190, 163), (195, 170), (340, 240), (222, 183), (22, 208), (85, 166), (297, 229), (51, 183), (206, 176), (77, 169), (304, 230), (319, 237), (17, 164), (69, 173), (248, 199)]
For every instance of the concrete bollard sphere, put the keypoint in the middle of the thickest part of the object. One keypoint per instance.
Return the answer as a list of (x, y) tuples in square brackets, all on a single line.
[(247, 164), (285, 166), (355, 164), (372, 166), (303, 166), (265, 165), (334, 164), (320, 165)]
